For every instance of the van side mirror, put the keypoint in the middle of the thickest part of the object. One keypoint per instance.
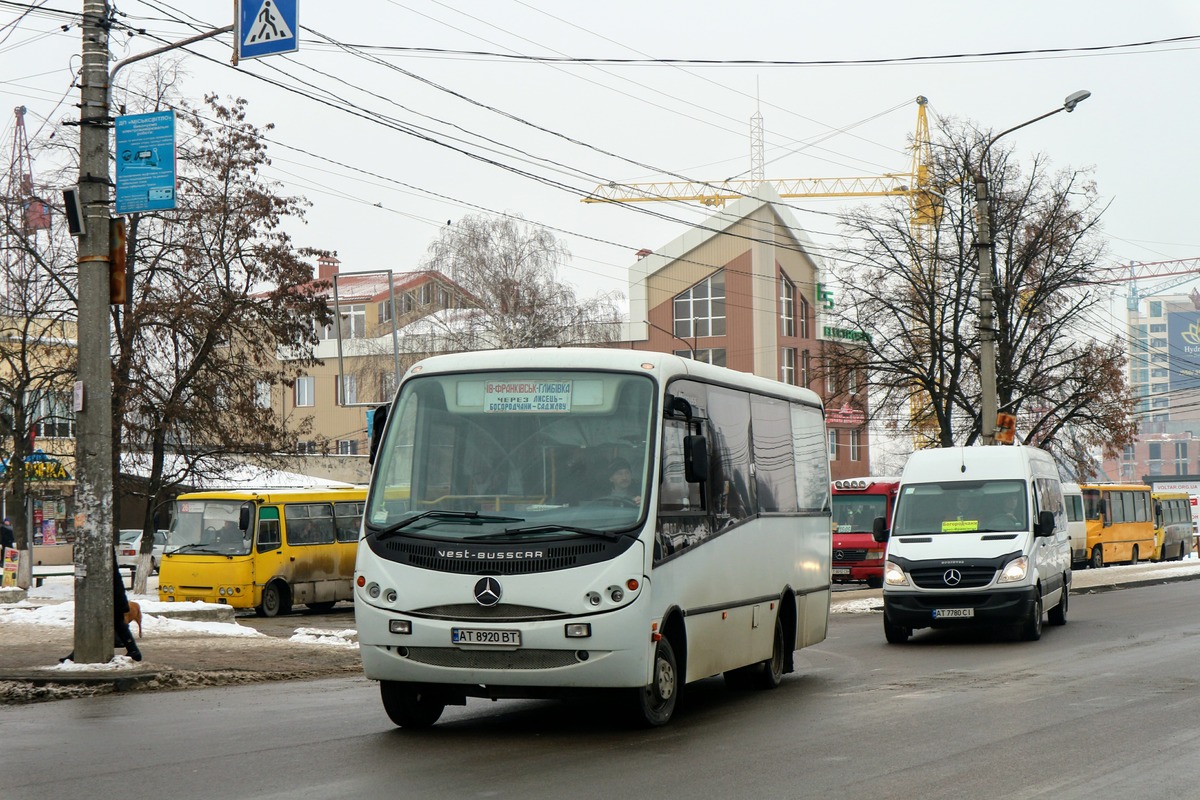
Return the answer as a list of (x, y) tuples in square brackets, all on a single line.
[(695, 459), (879, 531), (1045, 524), (244, 517)]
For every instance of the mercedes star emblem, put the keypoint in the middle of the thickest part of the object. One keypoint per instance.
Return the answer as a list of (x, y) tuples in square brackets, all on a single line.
[(487, 591), (952, 577)]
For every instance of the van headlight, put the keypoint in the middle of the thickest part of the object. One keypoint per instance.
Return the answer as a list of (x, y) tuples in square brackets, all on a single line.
[(1015, 570), (893, 575)]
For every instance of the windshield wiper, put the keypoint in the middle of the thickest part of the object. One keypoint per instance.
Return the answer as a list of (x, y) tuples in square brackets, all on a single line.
[(443, 516), (594, 532), (195, 547)]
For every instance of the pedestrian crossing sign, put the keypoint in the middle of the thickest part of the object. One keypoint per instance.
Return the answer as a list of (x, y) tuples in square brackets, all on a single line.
[(266, 27)]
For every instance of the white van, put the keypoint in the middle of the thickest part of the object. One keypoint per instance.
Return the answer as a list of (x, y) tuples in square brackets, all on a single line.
[(1076, 524), (979, 537)]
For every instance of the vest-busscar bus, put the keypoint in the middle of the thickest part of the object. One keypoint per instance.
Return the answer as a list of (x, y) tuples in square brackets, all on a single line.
[(1120, 527), (546, 578), (1172, 525), (857, 502), (266, 549)]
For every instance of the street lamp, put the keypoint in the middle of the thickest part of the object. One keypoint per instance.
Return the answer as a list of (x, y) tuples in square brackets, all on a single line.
[(983, 242)]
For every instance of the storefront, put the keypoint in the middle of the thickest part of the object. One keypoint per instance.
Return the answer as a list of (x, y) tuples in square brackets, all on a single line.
[(49, 507)]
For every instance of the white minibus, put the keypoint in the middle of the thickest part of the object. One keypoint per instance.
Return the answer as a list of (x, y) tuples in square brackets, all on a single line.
[(548, 521)]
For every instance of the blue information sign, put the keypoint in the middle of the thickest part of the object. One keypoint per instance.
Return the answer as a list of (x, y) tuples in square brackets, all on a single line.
[(145, 162), (266, 27)]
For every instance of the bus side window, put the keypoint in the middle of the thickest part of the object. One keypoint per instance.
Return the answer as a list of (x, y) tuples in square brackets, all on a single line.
[(268, 529)]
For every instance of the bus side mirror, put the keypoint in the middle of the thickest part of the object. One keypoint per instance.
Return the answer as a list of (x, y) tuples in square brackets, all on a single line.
[(695, 459), (379, 417), (1045, 524), (244, 517), (879, 531)]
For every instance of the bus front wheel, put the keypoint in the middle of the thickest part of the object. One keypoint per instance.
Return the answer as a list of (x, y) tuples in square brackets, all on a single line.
[(656, 701), (1097, 557), (770, 672), (274, 601), (410, 705)]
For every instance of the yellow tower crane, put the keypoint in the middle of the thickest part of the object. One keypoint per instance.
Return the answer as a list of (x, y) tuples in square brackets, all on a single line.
[(923, 199)]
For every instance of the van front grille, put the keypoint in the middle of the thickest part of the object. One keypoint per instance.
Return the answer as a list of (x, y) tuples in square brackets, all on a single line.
[(945, 577)]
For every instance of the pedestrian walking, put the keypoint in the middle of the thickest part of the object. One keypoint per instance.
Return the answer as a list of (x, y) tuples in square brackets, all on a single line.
[(124, 637)]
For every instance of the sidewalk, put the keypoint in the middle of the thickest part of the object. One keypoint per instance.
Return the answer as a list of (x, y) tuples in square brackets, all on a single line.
[(203, 645)]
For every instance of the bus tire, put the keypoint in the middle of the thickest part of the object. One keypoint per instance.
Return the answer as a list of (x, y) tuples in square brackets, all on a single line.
[(411, 705), (275, 600), (322, 607), (1097, 557), (769, 673), (1031, 628), (655, 702), (1058, 614), (1133, 556), (895, 634)]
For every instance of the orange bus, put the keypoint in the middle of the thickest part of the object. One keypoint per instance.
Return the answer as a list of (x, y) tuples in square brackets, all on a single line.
[(1120, 523)]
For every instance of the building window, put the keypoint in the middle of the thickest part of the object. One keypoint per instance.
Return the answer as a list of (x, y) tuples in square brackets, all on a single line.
[(787, 307), (353, 321), (830, 381), (833, 444), (1156, 308), (852, 382), (804, 373), (306, 391), (1158, 388), (51, 414), (387, 386), (709, 355), (347, 447), (856, 445), (424, 294), (803, 309), (262, 394), (347, 389), (700, 311), (443, 296), (787, 366), (1160, 328), (1158, 341), (306, 448), (1155, 451)]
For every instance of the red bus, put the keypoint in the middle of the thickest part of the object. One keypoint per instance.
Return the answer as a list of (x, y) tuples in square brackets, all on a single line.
[(857, 557)]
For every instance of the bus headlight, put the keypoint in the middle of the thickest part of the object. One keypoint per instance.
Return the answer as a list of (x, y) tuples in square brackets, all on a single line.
[(893, 575), (1015, 570)]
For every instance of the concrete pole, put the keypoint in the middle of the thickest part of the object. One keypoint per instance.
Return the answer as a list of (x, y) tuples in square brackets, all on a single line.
[(93, 444), (987, 319)]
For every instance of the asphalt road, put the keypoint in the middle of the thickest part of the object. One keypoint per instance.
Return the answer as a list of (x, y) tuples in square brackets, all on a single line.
[(1107, 706)]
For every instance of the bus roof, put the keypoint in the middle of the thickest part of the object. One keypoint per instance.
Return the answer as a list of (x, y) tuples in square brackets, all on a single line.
[(275, 494), (662, 366)]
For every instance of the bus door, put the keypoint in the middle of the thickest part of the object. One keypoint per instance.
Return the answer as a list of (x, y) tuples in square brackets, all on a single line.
[(309, 536), (270, 560)]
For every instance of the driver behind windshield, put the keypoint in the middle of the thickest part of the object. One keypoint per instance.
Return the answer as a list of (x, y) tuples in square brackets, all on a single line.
[(621, 477)]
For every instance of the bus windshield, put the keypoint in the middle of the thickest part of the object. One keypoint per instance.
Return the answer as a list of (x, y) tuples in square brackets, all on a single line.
[(857, 513), (208, 526), (961, 507), (496, 455)]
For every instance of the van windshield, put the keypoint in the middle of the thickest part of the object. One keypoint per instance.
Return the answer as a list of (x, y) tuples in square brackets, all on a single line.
[(961, 507)]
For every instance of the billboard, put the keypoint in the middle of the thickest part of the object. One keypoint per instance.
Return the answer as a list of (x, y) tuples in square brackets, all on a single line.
[(1183, 348)]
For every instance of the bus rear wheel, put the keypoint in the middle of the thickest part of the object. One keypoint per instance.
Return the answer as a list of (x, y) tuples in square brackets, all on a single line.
[(1097, 557), (655, 702), (1133, 557), (411, 705), (770, 672)]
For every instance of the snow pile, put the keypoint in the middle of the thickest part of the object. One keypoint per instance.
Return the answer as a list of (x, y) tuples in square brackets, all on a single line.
[(342, 638)]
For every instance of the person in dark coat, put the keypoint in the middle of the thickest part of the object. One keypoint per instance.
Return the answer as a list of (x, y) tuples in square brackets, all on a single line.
[(7, 537), (124, 637)]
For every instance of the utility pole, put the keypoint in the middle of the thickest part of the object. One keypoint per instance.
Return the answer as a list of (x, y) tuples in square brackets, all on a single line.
[(93, 389)]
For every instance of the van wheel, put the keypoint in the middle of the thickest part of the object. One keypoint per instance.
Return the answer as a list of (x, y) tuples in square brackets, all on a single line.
[(410, 705), (655, 702), (875, 583), (895, 634), (1133, 557), (1031, 629), (1097, 557), (1058, 614)]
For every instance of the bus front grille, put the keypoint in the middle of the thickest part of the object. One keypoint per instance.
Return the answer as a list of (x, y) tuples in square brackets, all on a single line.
[(554, 557), (490, 659), (497, 613)]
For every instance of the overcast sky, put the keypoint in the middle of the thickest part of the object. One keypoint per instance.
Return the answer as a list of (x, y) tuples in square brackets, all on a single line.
[(404, 131)]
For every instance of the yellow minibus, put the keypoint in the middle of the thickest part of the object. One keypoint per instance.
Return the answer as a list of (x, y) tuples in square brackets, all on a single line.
[(1172, 525), (1120, 527), (265, 549)]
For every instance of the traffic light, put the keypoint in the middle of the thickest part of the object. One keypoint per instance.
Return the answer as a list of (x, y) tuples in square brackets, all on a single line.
[(1006, 428), (117, 290)]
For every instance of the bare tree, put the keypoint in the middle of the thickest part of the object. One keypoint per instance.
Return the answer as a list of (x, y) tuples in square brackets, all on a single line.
[(915, 294), (512, 267), (218, 291)]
